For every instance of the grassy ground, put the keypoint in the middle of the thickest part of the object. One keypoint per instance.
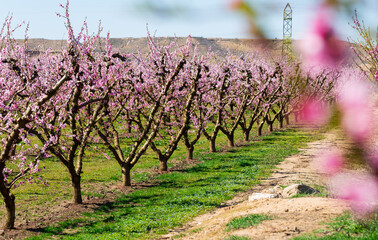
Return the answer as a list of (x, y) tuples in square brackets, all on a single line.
[(347, 227), (237, 238), (175, 198), (245, 222)]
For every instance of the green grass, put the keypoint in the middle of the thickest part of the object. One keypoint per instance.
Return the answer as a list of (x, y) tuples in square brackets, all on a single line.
[(179, 196), (234, 237), (346, 227), (246, 222)]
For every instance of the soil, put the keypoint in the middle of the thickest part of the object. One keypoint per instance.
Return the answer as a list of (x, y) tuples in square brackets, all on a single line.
[(290, 216)]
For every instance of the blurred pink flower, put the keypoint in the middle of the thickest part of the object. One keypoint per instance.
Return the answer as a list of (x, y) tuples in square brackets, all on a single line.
[(358, 118), (360, 191), (373, 160), (331, 162), (236, 4), (322, 48), (314, 111), (354, 91), (358, 124)]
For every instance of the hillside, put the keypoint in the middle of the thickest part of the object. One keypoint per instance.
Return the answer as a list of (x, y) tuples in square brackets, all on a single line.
[(270, 49), (218, 45)]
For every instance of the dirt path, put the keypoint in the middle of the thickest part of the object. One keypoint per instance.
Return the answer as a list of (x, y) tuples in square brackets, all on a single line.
[(291, 216)]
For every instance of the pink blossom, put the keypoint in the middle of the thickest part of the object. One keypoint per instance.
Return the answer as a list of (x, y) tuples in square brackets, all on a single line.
[(322, 46), (106, 156), (314, 111), (357, 115), (355, 91), (358, 124), (331, 162), (360, 191), (236, 4), (373, 160)]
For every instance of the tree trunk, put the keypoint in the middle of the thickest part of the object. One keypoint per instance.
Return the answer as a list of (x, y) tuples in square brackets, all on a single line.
[(76, 187), (163, 167), (246, 135), (281, 120), (259, 130), (271, 126), (126, 178), (10, 208), (189, 153), (212, 145), (287, 119), (9, 202), (231, 142)]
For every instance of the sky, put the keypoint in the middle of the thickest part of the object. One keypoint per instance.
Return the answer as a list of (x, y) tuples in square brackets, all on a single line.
[(198, 18)]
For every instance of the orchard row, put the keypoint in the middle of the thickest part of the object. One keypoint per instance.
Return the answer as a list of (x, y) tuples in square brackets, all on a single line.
[(68, 100)]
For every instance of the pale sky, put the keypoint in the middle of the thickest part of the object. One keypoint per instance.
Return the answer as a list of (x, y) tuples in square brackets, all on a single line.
[(198, 18)]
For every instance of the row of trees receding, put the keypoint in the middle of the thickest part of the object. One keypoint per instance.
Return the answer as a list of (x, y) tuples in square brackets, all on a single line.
[(172, 94)]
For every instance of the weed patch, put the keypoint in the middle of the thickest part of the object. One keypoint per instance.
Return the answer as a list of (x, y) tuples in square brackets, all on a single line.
[(347, 227), (234, 237), (246, 222)]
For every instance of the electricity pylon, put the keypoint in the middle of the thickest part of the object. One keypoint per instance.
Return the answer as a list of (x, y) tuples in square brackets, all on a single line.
[(287, 46)]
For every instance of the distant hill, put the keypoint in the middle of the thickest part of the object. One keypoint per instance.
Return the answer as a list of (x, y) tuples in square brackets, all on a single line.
[(218, 45), (270, 49)]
